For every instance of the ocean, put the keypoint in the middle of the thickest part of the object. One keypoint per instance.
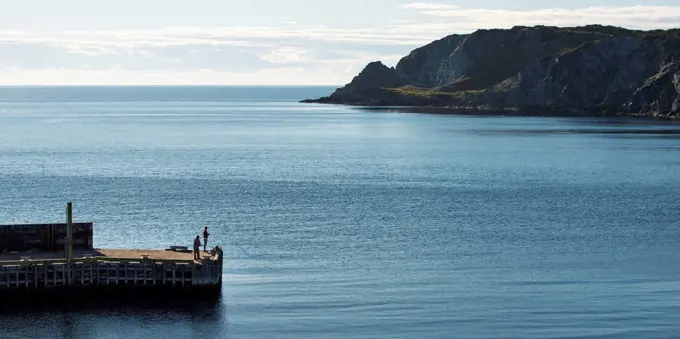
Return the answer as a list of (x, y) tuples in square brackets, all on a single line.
[(343, 222)]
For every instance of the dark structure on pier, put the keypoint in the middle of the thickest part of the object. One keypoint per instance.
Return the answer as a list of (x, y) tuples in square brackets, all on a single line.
[(49, 257)]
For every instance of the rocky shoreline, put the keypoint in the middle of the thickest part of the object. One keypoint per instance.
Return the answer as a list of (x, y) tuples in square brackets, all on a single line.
[(547, 71)]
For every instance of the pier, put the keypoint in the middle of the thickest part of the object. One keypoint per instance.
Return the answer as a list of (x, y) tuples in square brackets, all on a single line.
[(52, 257)]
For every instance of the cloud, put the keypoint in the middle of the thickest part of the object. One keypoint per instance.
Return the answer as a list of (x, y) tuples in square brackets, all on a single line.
[(286, 55), (428, 6), (639, 17), (287, 52), (228, 67), (333, 75), (223, 36), (403, 32)]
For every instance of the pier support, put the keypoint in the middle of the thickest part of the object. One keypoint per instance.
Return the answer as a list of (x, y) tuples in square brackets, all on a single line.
[(69, 242)]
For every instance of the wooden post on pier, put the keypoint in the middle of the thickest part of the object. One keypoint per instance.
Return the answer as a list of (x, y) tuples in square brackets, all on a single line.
[(69, 241)]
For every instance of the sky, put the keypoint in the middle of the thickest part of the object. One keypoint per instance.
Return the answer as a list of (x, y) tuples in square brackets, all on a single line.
[(262, 42)]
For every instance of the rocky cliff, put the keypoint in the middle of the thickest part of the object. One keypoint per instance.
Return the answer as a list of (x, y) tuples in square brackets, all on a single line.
[(590, 70)]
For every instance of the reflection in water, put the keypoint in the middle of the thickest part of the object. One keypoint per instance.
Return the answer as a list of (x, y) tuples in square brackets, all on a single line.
[(89, 316), (567, 117), (621, 122), (628, 132), (628, 127)]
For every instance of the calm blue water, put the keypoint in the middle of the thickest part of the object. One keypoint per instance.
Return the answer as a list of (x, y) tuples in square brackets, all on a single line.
[(345, 223)]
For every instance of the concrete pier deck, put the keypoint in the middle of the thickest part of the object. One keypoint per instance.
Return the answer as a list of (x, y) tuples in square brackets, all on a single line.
[(103, 254), (110, 268)]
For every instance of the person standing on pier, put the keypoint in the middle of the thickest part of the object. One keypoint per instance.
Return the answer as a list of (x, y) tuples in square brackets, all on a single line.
[(197, 247), (205, 238)]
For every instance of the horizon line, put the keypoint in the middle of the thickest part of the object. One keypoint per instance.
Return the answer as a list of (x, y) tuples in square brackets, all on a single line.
[(156, 85)]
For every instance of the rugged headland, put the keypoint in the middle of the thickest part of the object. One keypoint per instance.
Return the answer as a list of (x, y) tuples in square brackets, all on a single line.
[(589, 70)]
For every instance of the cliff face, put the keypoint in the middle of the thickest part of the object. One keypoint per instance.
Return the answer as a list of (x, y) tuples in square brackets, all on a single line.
[(422, 66), (619, 75), (582, 70), (490, 56)]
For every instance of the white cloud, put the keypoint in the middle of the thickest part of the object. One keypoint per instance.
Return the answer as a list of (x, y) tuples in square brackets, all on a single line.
[(286, 55), (402, 32), (333, 75), (229, 36), (640, 16), (322, 71), (93, 51), (428, 6), (398, 33)]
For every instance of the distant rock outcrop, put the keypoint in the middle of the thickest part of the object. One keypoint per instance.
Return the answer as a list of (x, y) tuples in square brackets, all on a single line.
[(591, 70), (367, 87)]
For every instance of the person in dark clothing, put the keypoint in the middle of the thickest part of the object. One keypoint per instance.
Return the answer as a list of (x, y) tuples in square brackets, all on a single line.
[(197, 247), (205, 238)]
